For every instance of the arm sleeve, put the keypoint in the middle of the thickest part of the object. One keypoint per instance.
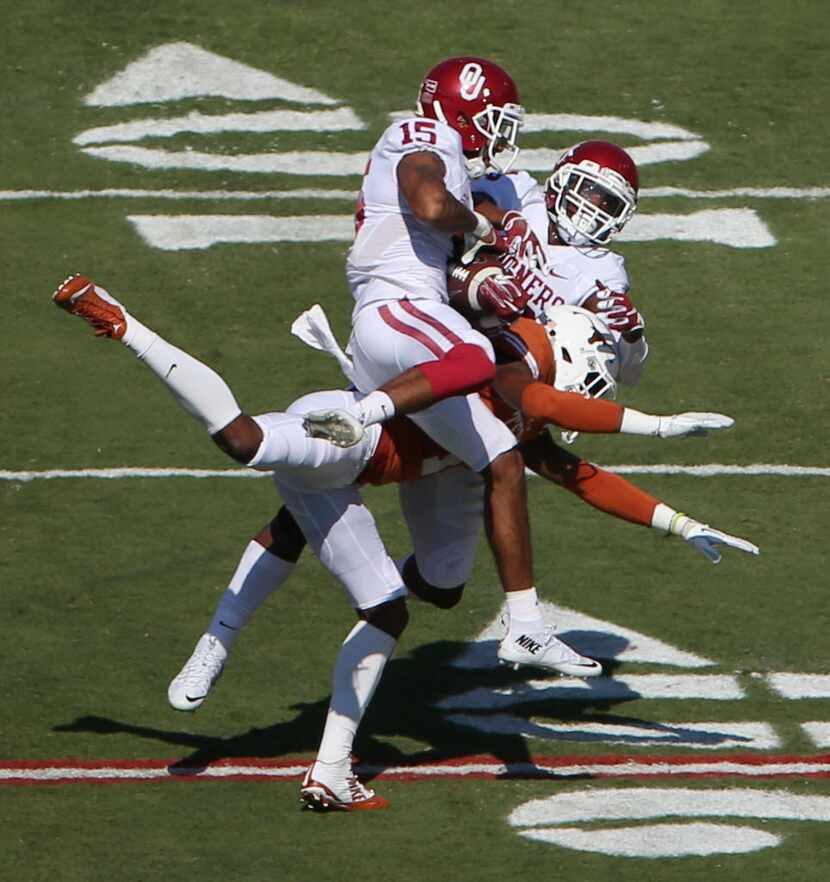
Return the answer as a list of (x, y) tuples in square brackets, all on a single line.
[(569, 410), (611, 494), (632, 360)]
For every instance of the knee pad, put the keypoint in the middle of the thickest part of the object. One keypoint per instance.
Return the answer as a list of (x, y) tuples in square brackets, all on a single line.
[(288, 540), (443, 598), (391, 617)]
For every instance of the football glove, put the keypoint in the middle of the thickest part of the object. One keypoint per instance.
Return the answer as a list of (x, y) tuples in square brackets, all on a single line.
[(617, 311), (680, 425), (519, 240), (707, 540), (501, 296)]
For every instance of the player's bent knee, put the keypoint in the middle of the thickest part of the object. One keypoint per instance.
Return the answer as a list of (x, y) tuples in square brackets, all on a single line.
[(283, 537), (443, 598), (391, 617)]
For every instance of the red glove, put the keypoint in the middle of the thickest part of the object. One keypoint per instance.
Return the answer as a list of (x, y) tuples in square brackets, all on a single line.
[(519, 240), (501, 296), (617, 311)]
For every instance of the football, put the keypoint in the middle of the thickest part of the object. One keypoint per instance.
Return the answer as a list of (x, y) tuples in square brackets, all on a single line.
[(464, 281)]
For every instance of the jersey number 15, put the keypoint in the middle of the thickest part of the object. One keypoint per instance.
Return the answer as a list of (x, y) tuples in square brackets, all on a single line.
[(422, 131)]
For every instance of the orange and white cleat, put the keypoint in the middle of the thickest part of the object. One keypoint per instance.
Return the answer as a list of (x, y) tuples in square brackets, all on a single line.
[(82, 297), (335, 787)]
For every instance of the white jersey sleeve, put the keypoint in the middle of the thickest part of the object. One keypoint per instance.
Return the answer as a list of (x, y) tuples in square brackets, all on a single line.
[(511, 192), (395, 255)]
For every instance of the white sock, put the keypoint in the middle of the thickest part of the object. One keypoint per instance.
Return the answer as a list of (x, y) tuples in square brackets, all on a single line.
[(376, 407), (198, 388), (258, 574), (357, 672), (525, 613)]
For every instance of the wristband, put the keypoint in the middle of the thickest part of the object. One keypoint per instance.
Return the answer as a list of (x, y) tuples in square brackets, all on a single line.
[(662, 517), (635, 422), (677, 523), (483, 226)]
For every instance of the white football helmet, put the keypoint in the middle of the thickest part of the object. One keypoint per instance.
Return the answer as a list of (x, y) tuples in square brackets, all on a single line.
[(584, 352)]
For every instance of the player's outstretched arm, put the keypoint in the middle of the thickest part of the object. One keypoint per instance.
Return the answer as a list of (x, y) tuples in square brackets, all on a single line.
[(618, 497), (568, 410)]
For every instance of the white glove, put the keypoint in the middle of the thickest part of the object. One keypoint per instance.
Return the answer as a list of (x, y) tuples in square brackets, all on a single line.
[(680, 425), (706, 540)]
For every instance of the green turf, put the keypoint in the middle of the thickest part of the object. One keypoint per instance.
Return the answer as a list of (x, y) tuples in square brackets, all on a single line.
[(104, 586), (439, 830)]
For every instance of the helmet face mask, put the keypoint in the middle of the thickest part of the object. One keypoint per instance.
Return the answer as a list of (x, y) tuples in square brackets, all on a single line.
[(500, 128), (480, 101), (592, 193)]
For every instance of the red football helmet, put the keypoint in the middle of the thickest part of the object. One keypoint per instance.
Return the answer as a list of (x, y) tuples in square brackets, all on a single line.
[(480, 101), (592, 193)]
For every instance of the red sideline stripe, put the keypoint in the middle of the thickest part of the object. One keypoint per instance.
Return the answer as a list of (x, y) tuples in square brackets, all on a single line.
[(32, 772)]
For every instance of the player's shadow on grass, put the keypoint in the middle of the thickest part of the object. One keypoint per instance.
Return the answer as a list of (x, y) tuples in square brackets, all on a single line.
[(456, 711)]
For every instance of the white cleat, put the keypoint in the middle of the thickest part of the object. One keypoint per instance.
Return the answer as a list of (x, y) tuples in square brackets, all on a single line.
[(339, 427), (190, 687), (335, 787), (542, 650)]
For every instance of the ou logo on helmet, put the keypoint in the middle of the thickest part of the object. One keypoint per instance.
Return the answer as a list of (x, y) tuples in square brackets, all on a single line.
[(472, 81)]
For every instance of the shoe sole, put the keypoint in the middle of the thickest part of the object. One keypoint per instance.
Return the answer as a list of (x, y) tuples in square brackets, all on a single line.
[(197, 703), (66, 296), (317, 799), (590, 672), (186, 708), (332, 427)]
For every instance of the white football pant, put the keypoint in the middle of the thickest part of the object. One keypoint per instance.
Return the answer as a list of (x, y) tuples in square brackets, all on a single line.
[(391, 337), (316, 481)]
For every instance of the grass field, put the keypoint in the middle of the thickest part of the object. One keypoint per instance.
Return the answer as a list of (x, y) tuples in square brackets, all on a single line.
[(106, 584)]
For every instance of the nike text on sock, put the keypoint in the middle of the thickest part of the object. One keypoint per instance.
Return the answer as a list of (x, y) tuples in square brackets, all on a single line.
[(376, 407)]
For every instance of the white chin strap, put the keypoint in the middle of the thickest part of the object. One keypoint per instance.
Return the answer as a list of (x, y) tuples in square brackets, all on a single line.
[(571, 235)]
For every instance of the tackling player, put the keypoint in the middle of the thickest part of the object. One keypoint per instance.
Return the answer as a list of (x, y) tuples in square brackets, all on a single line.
[(317, 482)]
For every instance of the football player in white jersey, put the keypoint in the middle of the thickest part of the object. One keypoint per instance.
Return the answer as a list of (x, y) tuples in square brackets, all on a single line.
[(590, 195), (415, 198), (319, 484)]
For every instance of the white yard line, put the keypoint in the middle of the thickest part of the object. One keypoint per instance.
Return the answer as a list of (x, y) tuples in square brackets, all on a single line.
[(699, 471), (67, 771), (796, 686), (227, 195), (305, 193)]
